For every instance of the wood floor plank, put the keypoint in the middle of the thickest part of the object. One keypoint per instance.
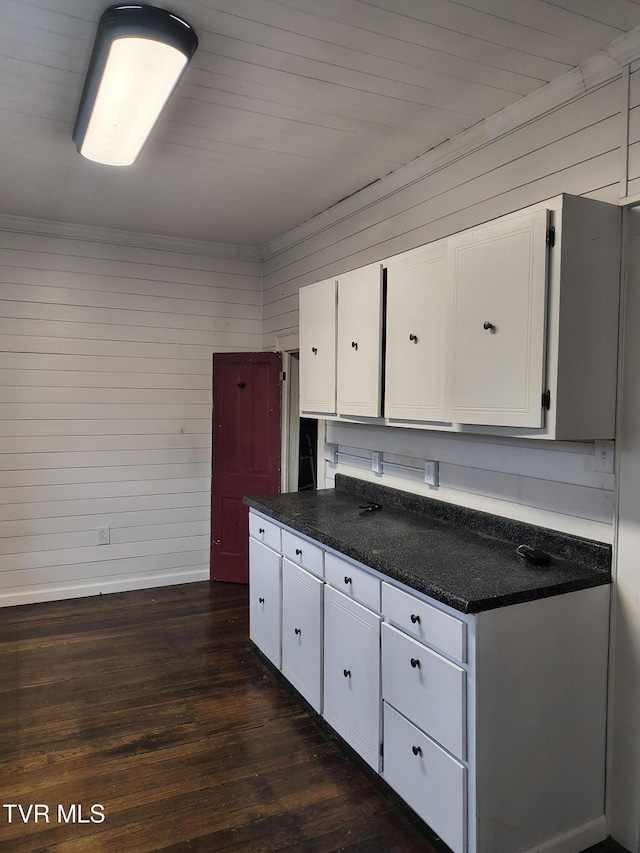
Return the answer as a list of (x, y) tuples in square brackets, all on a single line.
[(155, 704)]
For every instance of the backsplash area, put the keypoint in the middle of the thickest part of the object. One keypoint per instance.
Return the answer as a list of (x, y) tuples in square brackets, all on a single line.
[(552, 485)]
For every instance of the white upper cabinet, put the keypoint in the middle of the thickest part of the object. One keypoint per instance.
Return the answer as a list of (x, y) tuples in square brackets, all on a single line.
[(498, 276), (509, 328), (318, 347), (360, 312), (415, 344)]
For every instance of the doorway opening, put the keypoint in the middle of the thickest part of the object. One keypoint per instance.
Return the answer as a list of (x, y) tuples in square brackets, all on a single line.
[(299, 434)]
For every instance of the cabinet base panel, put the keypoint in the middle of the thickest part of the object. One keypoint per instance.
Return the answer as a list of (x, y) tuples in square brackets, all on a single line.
[(576, 840)]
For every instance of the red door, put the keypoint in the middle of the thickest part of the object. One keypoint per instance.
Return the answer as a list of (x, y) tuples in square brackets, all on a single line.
[(246, 452)]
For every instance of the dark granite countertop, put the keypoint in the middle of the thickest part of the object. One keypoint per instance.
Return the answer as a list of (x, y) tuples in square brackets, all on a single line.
[(461, 557)]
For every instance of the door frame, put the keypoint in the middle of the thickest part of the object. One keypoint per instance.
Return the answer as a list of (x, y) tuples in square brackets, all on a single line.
[(288, 344)]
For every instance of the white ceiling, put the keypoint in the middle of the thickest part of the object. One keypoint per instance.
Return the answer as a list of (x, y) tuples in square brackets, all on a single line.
[(288, 105)]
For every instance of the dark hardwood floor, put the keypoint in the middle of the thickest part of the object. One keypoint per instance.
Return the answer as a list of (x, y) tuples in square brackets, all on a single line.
[(154, 705)]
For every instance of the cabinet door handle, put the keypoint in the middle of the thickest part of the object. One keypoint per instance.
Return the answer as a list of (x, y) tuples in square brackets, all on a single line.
[(413, 338), (354, 344), (347, 580), (261, 600), (346, 673), (299, 552), (297, 631), (415, 618), (261, 530), (416, 750), (415, 663), (314, 350), (488, 326)]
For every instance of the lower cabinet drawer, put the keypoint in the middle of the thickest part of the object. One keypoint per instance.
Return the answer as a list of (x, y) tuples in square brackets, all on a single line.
[(303, 552), (424, 622), (426, 688), (427, 778), (264, 531), (352, 581)]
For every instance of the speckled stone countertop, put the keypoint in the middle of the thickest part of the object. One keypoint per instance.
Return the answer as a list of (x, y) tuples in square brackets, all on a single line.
[(464, 558)]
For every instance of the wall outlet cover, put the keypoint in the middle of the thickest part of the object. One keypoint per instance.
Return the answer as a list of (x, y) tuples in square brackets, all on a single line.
[(331, 453), (431, 473), (604, 457)]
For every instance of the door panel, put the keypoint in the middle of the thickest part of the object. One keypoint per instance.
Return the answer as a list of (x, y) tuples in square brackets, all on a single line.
[(352, 673), (318, 347), (246, 452), (360, 342), (499, 276), (416, 310)]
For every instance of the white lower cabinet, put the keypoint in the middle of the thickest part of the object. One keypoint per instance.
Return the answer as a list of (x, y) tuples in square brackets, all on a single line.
[(265, 600), (426, 688), (302, 595), (430, 780), (352, 673), (492, 726)]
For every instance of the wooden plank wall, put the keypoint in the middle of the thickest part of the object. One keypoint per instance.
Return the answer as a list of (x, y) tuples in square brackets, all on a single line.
[(105, 407), (576, 149)]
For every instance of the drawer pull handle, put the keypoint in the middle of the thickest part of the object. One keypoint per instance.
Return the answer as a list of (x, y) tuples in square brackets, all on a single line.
[(415, 663), (489, 327), (314, 350), (261, 600), (347, 673), (299, 552), (416, 750), (347, 580), (297, 631), (415, 619), (261, 530), (413, 338), (354, 344)]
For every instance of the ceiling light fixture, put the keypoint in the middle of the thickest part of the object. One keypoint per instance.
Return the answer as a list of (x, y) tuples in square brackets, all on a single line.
[(139, 55)]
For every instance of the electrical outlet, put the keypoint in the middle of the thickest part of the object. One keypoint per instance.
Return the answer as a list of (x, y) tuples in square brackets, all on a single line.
[(103, 535), (431, 473), (376, 461), (604, 457)]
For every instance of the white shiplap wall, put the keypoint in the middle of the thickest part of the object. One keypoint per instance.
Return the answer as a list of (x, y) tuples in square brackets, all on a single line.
[(105, 404), (574, 148)]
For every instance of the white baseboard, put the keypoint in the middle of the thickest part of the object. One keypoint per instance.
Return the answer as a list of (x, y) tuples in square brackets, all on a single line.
[(101, 586), (576, 840)]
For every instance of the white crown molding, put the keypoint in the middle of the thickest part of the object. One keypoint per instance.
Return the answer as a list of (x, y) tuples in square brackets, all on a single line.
[(96, 234), (596, 71)]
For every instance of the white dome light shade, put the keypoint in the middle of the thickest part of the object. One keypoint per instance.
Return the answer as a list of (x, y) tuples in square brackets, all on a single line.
[(139, 55)]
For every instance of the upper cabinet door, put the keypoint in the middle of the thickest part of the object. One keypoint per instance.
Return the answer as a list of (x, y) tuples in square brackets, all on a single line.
[(360, 342), (318, 347), (415, 344), (498, 307)]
